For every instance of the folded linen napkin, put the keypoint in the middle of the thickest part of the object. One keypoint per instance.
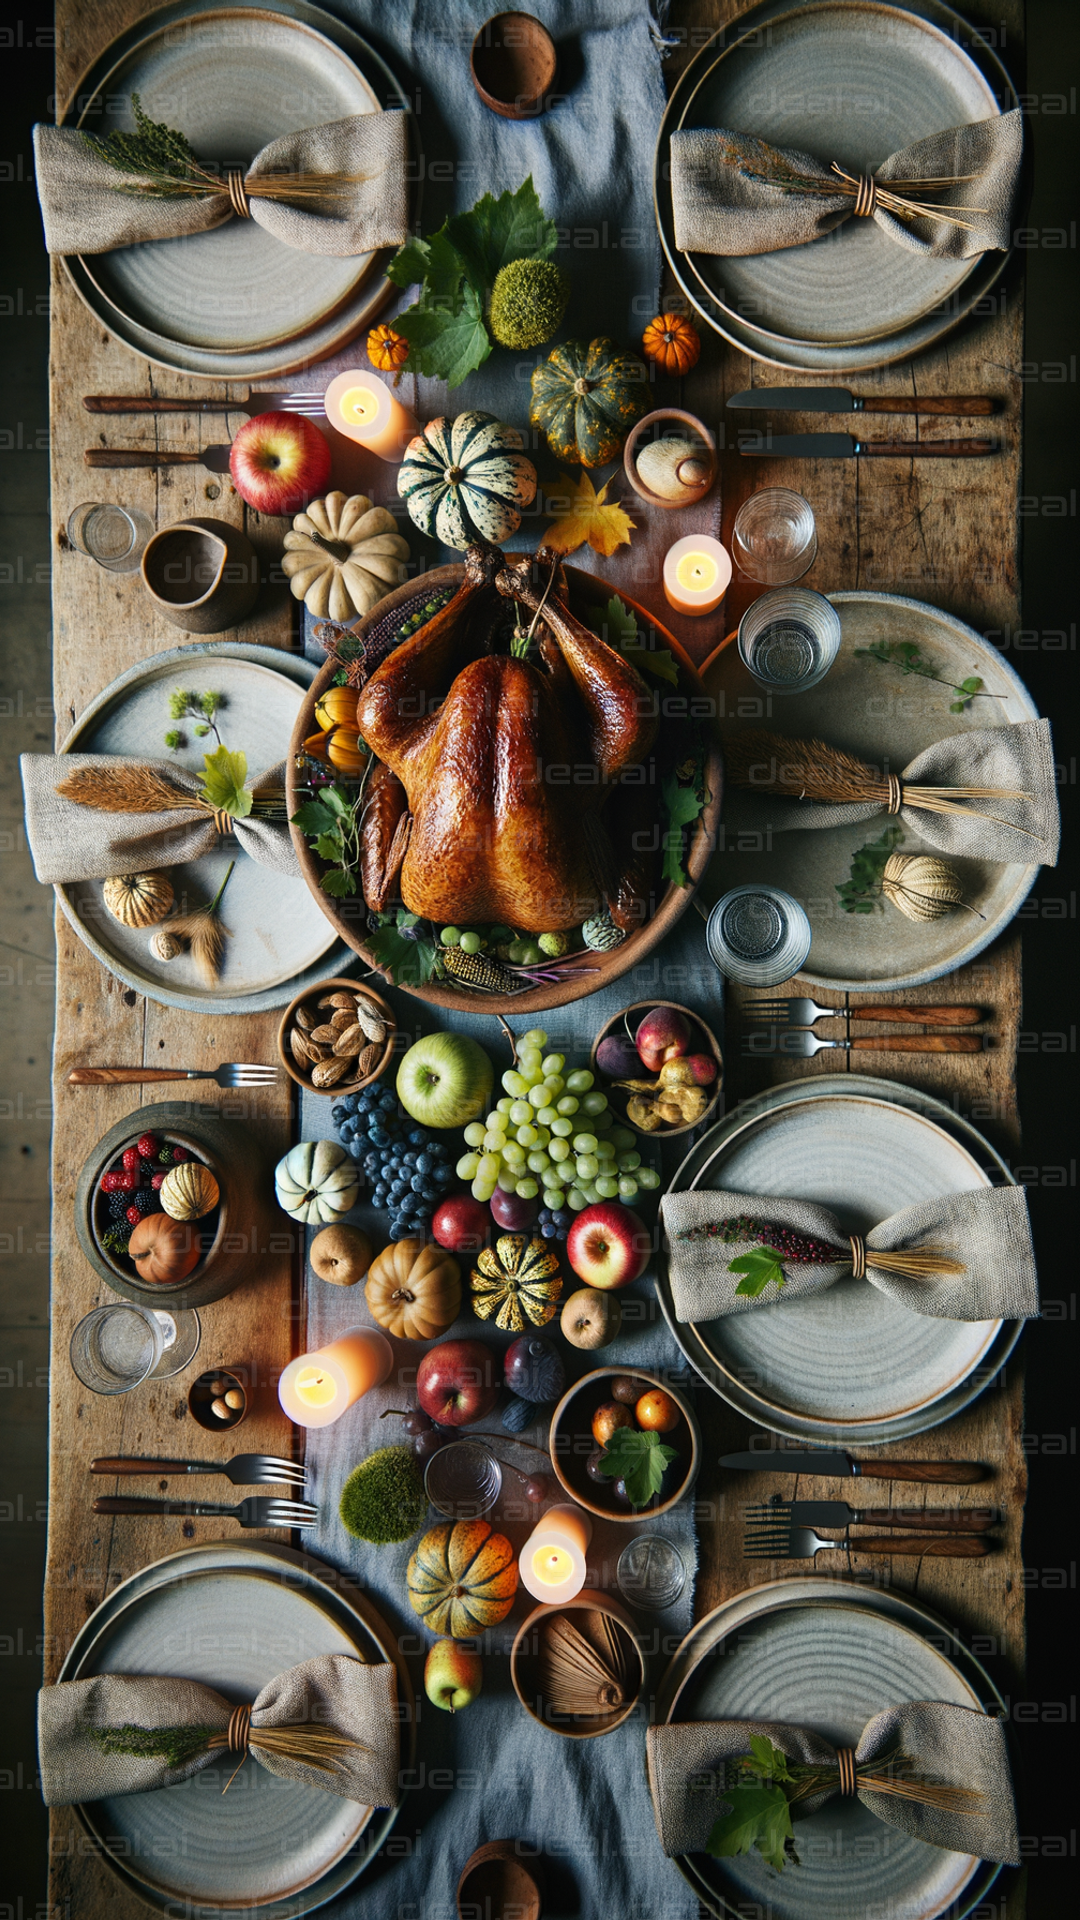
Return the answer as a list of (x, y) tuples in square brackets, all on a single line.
[(951, 1745), (89, 206), (96, 1737), (70, 841), (733, 194), (1016, 759), (965, 1256)]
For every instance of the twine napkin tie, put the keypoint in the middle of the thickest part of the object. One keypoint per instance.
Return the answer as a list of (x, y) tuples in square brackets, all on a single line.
[(946, 197), (958, 1750), (331, 1722), (89, 206), (965, 1256)]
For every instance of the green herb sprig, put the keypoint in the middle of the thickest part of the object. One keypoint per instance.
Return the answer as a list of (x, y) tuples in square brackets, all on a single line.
[(330, 822), (175, 1745), (859, 892), (907, 656), (401, 946), (201, 707), (638, 1460)]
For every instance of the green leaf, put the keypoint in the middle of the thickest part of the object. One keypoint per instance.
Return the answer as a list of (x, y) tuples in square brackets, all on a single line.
[(449, 344), (225, 783), (638, 1459), (756, 1817), (618, 626), (771, 1763), (339, 882), (969, 686), (406, 962), (313, 817), (859, 892), (494, 232), (435, 264), (759, 1268), (682, 806), (337, 801), (329, 846)]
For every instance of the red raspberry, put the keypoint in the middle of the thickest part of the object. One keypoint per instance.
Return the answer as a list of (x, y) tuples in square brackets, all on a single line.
[(126, 1182), (130, 1159), (157, 1181), (179, 1154), (148, 1146), (109, 1182), (133, 1216)]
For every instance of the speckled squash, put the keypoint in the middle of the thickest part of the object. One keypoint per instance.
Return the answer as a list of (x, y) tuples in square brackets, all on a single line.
[(587, 398), (467, 479), (189, 1191), (462, 1578), (516, 1281)]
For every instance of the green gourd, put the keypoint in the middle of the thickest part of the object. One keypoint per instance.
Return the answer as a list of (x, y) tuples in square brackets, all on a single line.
[(587, 398), (467, 479)]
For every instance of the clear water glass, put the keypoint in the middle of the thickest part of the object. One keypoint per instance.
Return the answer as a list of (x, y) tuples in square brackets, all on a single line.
[(113, 536), (789, 639), (758, 935), (117, 1347), (651, 1573), (463, 1480), (774, 539)]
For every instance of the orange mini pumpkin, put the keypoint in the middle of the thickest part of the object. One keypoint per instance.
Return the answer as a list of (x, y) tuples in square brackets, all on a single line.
[(387, 350), (672, 341), (164, 1250)]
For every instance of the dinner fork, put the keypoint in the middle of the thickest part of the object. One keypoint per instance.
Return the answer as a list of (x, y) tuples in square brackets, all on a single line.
[(309, 403), (244, 1469), (804, 1045), (785, 1542), (236, 1074), (770, 1517), (803, 1013), (256, 1511)]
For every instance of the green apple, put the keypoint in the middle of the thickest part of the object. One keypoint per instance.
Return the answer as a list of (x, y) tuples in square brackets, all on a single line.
[(453, 1675), (444, 1080)]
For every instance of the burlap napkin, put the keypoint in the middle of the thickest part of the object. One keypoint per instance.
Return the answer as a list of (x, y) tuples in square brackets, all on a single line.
[(86, 208), (951, 1745), (732, 194), (331, 1691), (988, 1230), (72, 842)]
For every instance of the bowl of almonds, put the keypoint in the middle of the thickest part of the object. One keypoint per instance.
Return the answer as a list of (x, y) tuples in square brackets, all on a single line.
[(337, 1037)]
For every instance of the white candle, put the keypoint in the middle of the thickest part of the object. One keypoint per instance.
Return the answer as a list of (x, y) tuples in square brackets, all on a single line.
[(317, 1388), (363, 408), (552, 1563), (697, 571)]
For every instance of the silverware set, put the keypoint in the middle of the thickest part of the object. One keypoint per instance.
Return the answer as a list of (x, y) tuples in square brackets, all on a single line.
[(844, 446), (780, 1539), (787, 1026), (244, 1470)]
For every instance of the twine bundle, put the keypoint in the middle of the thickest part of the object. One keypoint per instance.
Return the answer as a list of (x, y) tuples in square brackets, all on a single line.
[(763, 762), (300, 1741), (867, 193), (145, 790)]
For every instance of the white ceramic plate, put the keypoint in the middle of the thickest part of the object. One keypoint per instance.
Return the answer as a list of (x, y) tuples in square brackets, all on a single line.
[(850, 1367), (232, 1615), (279, 937), (828, 1655), (881, 714)]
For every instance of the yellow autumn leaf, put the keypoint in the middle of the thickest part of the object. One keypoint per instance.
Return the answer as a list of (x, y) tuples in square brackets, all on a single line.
[(591, 517)]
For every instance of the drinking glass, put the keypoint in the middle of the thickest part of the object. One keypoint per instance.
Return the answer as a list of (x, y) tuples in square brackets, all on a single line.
[(774, 539), (463, 1480), (758, 935), (789, 639), (113, 536), (117, 1347), (651, 1573)]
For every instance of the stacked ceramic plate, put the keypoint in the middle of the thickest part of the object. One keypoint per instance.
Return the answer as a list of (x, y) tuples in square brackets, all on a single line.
[(235, 303), (854, 81)]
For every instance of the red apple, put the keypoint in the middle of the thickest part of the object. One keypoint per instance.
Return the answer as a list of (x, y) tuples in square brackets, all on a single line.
[(608, 1245), (461, 1223), (458, 1382), (512, 1212), (278, 462), (703, 1068), (664, 1034)]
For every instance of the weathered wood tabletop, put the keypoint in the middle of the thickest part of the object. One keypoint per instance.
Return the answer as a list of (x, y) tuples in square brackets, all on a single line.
[(943, 532)]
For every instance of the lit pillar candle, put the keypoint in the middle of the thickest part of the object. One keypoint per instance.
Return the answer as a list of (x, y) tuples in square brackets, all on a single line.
[(552, 1563), (317, 1388), (363, 408), (697, 571)]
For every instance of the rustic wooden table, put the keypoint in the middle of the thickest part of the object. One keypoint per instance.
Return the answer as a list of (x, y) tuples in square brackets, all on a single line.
[(946, 533)]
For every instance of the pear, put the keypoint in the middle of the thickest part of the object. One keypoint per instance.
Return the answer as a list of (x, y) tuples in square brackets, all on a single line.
[(341, 1255)]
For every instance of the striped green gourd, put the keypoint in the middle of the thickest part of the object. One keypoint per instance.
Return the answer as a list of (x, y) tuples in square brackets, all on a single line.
[(467, 479)]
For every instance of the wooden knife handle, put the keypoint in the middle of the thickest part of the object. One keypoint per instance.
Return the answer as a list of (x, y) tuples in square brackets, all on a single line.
[(123, 1465), (946, 1473), (920, 1016), (920, 1042), (126, 1503), (943, 1546), (964, 406), (138, 457), (931, 1519), (122, 1076), (140, 403), (926, 449)]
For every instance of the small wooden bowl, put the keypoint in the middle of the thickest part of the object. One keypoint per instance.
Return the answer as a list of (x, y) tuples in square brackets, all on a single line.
[(497, 1884), (312, 997), (570, 1443), (201, 1398), (525, 1669), (513, 64), (695, 428), (202, 574), (621, 1100)]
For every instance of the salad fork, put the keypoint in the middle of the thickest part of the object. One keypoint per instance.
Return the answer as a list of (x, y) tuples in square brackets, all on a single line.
[(804, 1045), (803, 1013), (786, 1542), (244, 1469), (237, 1074), (256, 1511)]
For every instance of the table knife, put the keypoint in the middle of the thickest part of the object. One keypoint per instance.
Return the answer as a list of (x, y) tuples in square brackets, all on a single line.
[(842, 1466), (214, 459), (206, 403), (844, 446), (837, 1513), (839, 400)]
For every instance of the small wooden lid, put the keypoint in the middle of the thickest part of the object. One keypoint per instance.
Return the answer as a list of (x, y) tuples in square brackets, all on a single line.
[(497, 1881), (513, 65)]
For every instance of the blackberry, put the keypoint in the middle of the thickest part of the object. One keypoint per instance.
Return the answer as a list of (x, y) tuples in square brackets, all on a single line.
[(118, 1205)]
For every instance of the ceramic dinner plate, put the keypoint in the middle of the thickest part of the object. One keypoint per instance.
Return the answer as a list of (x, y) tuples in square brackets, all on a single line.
[(829, 1656), (279, 939), (235, 303), (233, 1616), (850, 1366), (884, 716)]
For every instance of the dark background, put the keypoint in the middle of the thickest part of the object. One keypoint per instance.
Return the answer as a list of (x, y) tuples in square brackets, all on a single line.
[(1045, 1718)]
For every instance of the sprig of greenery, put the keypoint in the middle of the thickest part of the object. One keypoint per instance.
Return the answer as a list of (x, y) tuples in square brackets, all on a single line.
[(225, 783), (759, 1269), (907, 656), (175, 1745), (403, 948), (185, 705), (160, 155), (331, 824), (757, 1802), (617, 624), (859, 892), (638, 1460), (683, 796)]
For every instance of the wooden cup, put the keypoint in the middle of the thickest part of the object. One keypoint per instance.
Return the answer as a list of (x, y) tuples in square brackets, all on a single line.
[(201, 574)]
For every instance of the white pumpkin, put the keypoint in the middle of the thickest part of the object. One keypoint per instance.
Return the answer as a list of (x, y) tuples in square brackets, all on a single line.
[(316, 1182), (343, 555)]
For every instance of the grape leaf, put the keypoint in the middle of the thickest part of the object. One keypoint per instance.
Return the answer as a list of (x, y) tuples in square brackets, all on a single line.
[(639, 1460), (494, 232), (450, 343), (682, 806), (756, 1817), (313, 817), (758, 1269), (861, 889), (589, 516), (225, 783), (405, 962), (339, 882), (618, 625)]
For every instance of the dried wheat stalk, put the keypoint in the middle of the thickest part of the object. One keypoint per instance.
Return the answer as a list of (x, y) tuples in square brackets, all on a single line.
[(762, 762)]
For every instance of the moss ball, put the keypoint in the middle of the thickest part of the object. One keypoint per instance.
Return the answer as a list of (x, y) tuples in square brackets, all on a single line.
[(527, 302), (383, 1499)]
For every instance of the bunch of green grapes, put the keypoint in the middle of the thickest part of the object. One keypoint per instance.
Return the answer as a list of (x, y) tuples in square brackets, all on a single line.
[(554, 1134)]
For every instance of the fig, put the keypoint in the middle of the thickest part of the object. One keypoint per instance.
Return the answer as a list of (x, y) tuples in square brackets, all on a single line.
[(533, 1369)]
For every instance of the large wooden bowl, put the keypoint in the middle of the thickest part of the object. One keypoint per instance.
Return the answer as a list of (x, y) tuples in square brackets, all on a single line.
[(588, 972)]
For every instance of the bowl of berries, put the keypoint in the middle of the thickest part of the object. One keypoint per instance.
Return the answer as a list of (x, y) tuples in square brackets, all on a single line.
[(625, 1444), (171, 1212)]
